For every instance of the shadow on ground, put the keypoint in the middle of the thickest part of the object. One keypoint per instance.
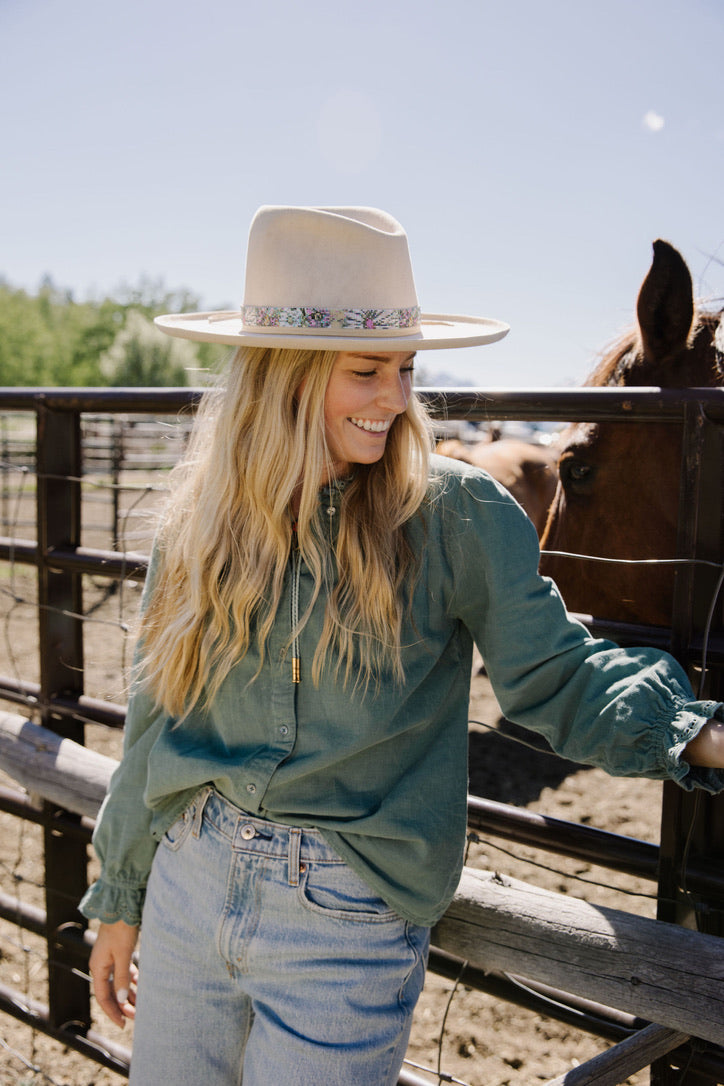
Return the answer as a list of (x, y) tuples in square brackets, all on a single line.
[(511, 765)]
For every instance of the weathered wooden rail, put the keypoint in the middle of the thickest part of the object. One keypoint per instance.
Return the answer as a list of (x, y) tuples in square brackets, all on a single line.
[(500, 927)]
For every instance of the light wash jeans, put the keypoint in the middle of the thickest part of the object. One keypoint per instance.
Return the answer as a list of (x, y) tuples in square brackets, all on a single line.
[(264, 955)]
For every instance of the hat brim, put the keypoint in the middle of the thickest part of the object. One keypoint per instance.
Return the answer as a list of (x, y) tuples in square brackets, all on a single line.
[(437, 331)]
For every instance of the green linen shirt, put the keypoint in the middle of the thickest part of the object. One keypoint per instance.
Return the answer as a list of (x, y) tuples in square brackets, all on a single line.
[(383, 775)]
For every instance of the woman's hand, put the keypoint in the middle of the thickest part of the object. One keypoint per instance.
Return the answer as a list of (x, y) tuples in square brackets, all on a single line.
[(707, 748), (114, 974)]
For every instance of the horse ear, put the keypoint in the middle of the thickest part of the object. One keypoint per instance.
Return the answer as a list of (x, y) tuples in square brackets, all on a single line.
[(665, 306)]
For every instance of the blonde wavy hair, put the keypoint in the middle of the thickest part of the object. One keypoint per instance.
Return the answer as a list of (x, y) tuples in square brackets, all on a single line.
[(224, 541)]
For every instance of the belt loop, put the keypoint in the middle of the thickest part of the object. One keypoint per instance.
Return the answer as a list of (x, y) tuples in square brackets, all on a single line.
[(295, 848), (199, 805)]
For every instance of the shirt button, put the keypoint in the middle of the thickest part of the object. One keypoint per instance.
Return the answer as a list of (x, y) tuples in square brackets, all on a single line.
[(283, 729), (247, 832), (251, 788)]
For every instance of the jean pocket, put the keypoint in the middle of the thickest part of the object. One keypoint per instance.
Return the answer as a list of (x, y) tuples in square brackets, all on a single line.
[(178, 831), (337, 891)]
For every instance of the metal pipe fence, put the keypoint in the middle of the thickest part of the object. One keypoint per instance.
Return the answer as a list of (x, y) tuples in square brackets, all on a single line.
[(78, 433)]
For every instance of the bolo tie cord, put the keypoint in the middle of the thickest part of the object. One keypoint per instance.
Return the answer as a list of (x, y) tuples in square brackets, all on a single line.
[(296, 660)]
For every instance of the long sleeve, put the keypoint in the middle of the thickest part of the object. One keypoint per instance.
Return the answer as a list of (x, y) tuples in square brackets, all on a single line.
[(629, 711), (123, 839)]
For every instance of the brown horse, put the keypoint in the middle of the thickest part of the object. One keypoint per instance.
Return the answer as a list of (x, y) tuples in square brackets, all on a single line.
[(528, 471), (619, 482)]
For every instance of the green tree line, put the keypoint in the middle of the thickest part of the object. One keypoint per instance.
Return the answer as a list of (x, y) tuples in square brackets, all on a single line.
[(50, 339)]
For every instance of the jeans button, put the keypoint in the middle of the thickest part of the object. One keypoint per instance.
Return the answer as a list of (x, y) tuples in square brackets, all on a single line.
[(247, 832)]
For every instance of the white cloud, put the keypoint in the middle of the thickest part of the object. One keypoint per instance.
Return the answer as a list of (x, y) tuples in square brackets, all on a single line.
[(653, 121)]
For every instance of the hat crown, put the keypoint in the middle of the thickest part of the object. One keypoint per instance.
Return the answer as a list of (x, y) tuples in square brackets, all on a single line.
[(328, 258)]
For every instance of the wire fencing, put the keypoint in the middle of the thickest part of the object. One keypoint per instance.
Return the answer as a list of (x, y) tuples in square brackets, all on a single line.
[(82, 476)]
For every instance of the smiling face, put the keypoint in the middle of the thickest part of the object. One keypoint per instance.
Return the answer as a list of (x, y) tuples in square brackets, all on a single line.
[(365, 394)]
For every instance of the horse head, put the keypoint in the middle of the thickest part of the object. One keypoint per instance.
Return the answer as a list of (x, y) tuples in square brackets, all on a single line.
[(618, 490)]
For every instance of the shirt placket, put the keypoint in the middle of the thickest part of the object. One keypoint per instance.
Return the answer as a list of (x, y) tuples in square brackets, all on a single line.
[(280, 726)]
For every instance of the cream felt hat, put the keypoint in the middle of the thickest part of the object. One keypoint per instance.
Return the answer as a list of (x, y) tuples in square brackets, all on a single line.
[(330, 278)]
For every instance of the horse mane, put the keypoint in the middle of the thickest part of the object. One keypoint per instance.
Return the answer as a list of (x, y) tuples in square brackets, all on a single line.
[(621, 364), (616, 361)]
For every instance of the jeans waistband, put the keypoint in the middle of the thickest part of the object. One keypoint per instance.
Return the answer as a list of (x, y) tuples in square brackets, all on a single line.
[(295, 845)]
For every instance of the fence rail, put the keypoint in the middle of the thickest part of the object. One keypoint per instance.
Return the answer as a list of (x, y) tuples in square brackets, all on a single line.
[(81, 432)]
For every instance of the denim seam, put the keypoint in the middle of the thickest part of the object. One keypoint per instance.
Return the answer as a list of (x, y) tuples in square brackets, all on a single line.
[(209, 818), (237, 966), (199, 806), (416, 960), (295, 847), (347, 916)]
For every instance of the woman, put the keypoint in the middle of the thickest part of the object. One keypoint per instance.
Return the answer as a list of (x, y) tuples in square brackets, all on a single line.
[(297, 732)]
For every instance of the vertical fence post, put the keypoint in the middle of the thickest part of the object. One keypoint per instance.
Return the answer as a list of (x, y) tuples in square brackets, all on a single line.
[(117, 442), (692, 824), (61, 673), (4, 474)]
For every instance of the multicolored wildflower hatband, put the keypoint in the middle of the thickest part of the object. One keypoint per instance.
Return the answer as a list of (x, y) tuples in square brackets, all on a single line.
[(331, 278)]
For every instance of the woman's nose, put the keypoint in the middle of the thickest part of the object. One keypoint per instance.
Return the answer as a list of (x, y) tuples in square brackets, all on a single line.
[(395, 393)]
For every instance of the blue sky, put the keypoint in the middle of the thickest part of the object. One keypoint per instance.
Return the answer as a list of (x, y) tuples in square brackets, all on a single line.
[(533, 151)]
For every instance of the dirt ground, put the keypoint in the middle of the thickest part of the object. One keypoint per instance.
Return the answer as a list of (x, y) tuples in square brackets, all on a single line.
[(471, 1037)]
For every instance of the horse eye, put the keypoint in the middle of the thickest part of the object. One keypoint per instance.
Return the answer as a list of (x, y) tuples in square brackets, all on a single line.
[(576, 475)]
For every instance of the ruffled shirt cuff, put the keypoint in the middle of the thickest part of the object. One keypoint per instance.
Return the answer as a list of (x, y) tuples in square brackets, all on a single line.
[(109, 902), (688, 722)]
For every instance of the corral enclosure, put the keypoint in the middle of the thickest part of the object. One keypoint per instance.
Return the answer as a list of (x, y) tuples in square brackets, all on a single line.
[(72, 575)]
